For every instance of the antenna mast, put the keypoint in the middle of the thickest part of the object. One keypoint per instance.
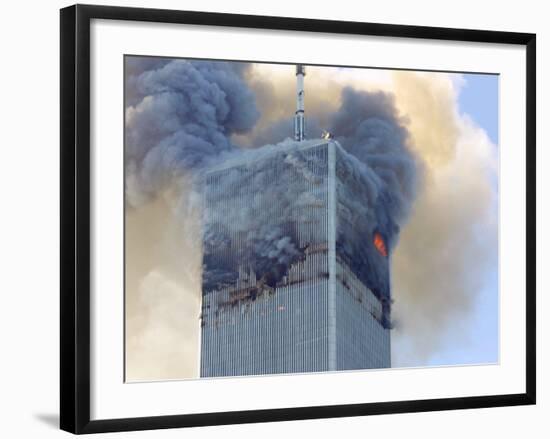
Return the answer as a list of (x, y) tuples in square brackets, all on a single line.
[(299, 118)]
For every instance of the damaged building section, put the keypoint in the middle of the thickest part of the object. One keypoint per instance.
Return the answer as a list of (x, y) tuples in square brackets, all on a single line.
[(293, 278)]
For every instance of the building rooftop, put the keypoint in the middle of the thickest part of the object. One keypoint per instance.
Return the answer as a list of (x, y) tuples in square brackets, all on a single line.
[(244, 156)]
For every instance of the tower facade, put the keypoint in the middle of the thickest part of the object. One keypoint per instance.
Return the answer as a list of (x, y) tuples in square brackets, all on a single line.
[(293, 279)]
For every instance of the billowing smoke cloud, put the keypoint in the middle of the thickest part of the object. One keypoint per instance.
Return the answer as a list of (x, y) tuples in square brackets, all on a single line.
[(163, 265), (447, 256), (368, 127), (184, 114)]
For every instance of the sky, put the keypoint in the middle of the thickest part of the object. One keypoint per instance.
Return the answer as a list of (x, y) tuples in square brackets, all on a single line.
[(478, 99), (181, 116)]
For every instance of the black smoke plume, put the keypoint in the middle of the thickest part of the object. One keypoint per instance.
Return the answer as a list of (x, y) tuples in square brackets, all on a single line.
[(180, 114)]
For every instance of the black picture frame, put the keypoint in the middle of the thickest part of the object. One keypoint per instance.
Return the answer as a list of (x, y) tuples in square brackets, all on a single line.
[(75, 217)]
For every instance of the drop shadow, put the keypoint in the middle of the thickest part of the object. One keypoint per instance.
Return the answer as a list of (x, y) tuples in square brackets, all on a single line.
[(49, 419)]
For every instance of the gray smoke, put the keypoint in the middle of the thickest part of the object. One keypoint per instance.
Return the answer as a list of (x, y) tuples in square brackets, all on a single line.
[(180, 114), (369, 129)]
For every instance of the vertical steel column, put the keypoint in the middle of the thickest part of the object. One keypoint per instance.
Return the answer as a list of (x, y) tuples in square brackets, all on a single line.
[(331, 212)]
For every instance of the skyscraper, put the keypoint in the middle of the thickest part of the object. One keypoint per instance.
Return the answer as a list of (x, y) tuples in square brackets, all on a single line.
[(295, 277)]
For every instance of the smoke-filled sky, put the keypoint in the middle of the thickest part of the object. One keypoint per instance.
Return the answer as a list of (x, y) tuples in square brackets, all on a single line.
[(428, 139)]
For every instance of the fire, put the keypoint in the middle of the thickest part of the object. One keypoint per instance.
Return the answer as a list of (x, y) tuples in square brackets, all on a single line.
[(380, 244)]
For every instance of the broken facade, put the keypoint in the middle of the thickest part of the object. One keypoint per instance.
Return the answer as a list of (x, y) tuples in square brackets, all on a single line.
[(292, 279)]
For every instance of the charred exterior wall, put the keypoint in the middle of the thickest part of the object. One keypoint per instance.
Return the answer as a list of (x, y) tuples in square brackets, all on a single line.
[(290, 279)]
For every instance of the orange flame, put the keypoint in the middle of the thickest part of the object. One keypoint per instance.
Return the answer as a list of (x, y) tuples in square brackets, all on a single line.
[(380, 245)]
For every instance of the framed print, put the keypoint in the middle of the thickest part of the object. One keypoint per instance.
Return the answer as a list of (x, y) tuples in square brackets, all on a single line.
[(267, 218)]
